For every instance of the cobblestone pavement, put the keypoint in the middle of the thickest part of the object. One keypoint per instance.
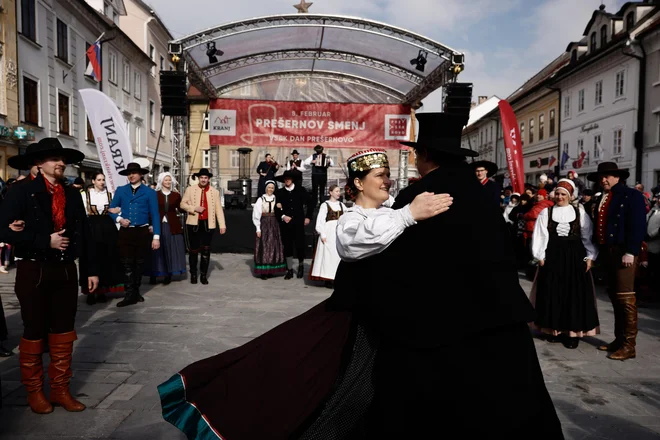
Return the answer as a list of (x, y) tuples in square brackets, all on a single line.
[(123, 354)]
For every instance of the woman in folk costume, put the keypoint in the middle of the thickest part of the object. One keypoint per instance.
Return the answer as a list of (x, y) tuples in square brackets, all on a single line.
[(310, 377), (564, 297), (170, 259), (326, 259), (104, 230), (268, 249)]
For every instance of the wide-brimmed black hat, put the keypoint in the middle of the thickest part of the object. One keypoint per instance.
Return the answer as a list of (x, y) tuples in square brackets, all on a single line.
[(47, 147), (294, 152), (288, 174), (133, 168), (204, 172), (318, 148), (610, 168), (491, 168), (441, 132)]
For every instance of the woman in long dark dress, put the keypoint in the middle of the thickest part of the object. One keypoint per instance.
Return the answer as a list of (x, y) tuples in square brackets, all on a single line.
[(170, 259), (564, 294), (268, 248), (310, 377), (106, 236)]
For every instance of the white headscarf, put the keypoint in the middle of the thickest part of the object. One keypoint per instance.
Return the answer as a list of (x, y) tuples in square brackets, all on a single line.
[(162, 177)]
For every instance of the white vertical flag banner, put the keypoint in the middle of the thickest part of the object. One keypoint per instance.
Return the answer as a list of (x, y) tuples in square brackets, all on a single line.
[(110, 135)]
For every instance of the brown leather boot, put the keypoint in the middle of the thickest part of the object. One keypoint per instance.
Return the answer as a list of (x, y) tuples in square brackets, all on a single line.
[(32, 375), (629, 310), (618, 325), (59, 371)]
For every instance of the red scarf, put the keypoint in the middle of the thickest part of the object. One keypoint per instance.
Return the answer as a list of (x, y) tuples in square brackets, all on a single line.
[(58, 204), (485, 181)]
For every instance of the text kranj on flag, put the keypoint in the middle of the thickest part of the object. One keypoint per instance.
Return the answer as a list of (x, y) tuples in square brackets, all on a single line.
[(512, 146), (94, 57), (110, 135)]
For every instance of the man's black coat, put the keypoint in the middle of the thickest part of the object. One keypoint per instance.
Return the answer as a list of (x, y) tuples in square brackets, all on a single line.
[(447, 276), (31, 202)]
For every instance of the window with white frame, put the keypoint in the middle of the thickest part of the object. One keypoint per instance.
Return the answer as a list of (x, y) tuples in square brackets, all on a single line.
[(598, 98), (206, 158), (29, 19), (63, 114), (138, 136), (62, 41), (619, 84), (580, 146), (531, 131), (567, 106), (127, 123), (522, 133), (152, 57), (617, 142), (206, 123), (31, 109), (597, 146), (234, 158), (137, 85), (552, 123), (127, 77), (657, 117), (541, 126), (152, 116), (162, 62), (246, 91), (581, 100), (112, 77)]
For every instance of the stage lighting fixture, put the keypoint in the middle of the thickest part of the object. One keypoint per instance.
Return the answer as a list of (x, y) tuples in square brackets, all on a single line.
[(420, 61), (211, 52)]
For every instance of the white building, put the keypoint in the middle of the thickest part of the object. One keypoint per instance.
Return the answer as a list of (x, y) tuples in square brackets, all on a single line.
[(650, 39), (53, 38), (480, 133), (599, 93)]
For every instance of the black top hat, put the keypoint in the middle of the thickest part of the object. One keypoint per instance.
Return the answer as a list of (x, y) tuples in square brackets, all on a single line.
[(491, 168), (318, 148), (79, 181), (132, 168), (610, 168), (288, 174), (441, 132), (294, 152), (45, 148), (204, 172)]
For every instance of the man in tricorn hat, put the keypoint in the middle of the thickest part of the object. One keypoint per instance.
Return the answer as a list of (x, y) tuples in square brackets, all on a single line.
[(296, 165), (452, 317), (484, 170), (620, 225), (139, 210), (320, 162), (55, 233), (294, 209), (205, 215)]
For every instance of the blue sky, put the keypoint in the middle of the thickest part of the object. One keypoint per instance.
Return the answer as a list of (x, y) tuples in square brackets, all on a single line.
[(505, 41)]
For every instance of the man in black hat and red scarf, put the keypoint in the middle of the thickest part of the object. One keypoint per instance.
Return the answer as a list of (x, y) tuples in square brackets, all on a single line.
[(452, 318), (294, 209), (139, 210), (620, 226), (55, 234)]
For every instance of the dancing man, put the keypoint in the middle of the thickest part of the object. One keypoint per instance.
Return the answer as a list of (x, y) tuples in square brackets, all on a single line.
[(205, 214), (56, 233), (139, 210)]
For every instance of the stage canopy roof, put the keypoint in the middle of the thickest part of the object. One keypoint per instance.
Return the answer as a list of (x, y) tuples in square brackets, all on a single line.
[(314, 57)]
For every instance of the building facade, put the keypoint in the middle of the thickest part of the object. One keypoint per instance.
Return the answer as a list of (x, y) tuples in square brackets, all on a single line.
[(482, 129), (650, 39), (600, 93), (53, 39), (9, 118), (148, 32)]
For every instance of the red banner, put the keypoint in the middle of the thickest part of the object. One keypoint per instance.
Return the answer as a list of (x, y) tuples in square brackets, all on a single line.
[(512, 146), (247, 123)]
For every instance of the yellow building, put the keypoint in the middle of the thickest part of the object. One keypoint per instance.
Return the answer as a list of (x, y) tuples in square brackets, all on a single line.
[(11, 130)]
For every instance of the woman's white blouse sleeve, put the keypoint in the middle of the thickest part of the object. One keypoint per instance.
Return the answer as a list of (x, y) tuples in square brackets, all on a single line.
[(256, 213), (320, 220), (540, 236), (587, 229), (361, 234)]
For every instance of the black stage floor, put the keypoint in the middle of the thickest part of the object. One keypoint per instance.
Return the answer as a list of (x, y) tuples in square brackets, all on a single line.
[(240, 236)]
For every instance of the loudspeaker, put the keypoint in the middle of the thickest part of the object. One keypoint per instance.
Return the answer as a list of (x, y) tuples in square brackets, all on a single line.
[(173, 93), (458, 98)]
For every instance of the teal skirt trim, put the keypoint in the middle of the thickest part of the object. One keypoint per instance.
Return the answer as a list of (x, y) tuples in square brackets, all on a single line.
[(183, 414)]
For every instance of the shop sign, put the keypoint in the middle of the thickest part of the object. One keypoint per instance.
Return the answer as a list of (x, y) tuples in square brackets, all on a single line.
[(6, 132), (589, 127), (20, 133)]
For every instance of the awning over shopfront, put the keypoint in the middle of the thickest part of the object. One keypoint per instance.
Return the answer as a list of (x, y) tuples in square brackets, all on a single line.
[(323, 58)]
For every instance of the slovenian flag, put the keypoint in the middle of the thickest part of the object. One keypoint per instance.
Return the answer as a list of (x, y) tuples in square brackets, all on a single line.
[(94, 56), (564, 159)]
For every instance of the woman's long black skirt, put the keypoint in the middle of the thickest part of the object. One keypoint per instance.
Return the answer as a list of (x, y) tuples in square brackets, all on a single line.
[(565, 300)]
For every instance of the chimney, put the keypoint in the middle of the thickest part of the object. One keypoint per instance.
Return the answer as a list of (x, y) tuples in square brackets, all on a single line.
[(482, 99)]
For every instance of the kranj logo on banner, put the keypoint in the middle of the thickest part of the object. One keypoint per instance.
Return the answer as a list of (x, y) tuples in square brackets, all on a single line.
[(110, 136)]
